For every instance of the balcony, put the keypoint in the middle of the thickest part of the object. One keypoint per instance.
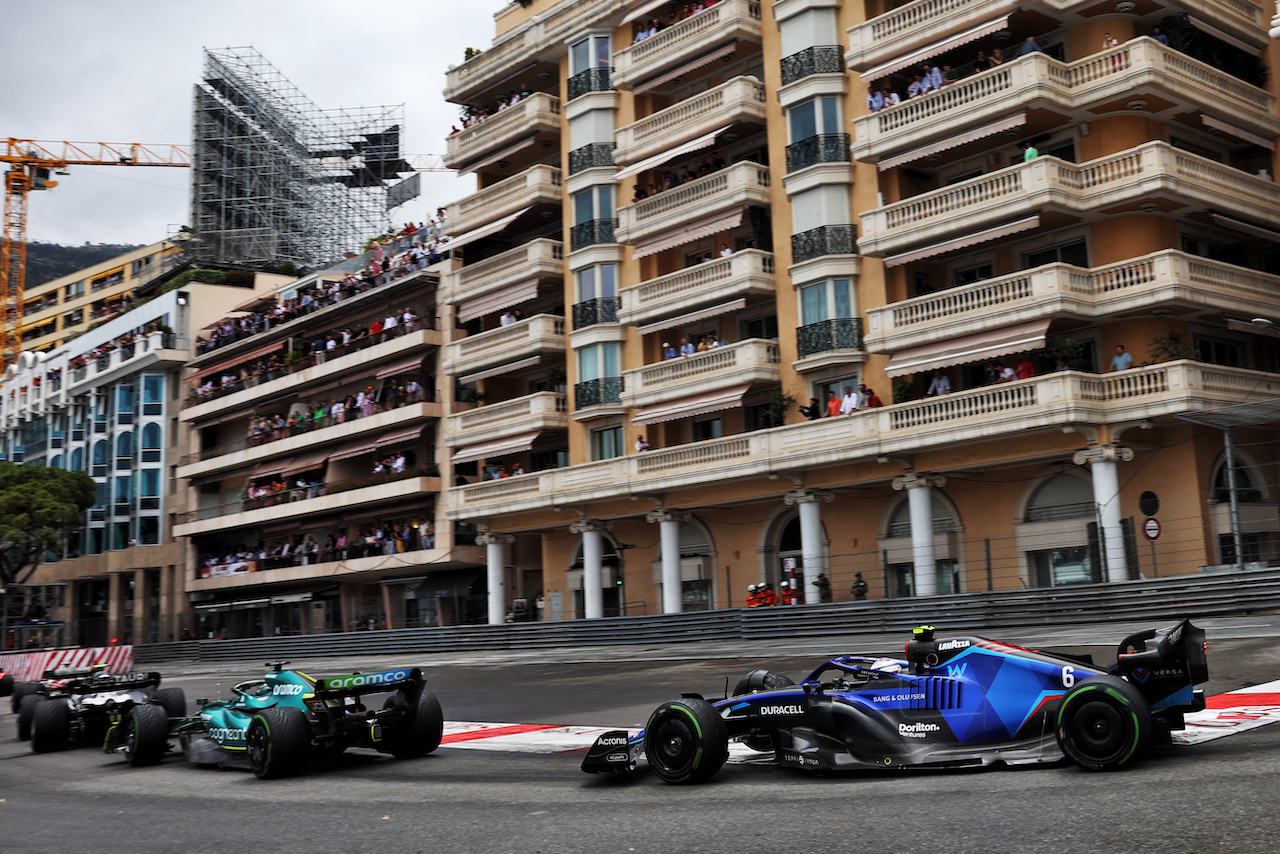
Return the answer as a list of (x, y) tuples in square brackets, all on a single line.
[(742, 274), (750, 362), (1108, 80), (1181, 283), (241, 514), (1154, 173), (478, 73), (593, 312), (740, 99), (822, 241), (536, 185), (841, 334), (541, 258), (590, 80), (696, 37), (821, 59), (605, 391), (591, 156), (541, 411), (593, 232), (537, 114), (917, 24), (993, 413), (743, 183), (823, 148), (539, 335)]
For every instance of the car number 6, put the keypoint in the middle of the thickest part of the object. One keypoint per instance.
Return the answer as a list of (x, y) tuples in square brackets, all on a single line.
[(1068, 677)]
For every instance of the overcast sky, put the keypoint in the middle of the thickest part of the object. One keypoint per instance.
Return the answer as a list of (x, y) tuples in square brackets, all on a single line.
[(123, 71)]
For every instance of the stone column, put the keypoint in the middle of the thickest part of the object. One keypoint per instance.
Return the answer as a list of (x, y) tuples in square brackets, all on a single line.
[(1106, 497), (592, 565), (924, 561), (115, 607), (496, 560), (669, 524), (812, 563)]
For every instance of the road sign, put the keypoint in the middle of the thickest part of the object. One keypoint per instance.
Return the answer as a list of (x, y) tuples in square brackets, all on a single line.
[(1151, 528)]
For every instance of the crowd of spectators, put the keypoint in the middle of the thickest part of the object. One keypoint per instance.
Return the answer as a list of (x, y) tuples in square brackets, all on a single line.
[(668, 180), (474, 114), (325, 413), (340, 544), (688, 348), (676, 12)]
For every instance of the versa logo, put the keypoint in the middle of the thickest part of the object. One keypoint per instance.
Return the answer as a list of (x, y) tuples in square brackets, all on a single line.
[(957, 671)]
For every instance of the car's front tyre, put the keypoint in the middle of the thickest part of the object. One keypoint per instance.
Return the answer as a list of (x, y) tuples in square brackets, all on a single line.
[(278, 742), (146, 734), (1103, 723), (686, 741)]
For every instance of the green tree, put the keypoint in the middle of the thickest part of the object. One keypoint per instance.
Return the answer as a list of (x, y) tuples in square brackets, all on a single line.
[(39, 507)]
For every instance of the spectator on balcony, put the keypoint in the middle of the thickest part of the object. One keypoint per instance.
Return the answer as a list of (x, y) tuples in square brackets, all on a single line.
[(849, 404), (939, 386), (1026, 368), (668, 352), (933, 76), (916, 87), (413, 391), (506, 319), (725, 251), (517, 469), (1121, 361), (641, 445), (833, 404), (873, 399), (813, 411), (1029, 151), (1109, 41), (686, 348), (1029, 46), (875, 99), (390, 326), (1005, 373), (891, 98), (996, 58), (949, 75), (1160, 36)]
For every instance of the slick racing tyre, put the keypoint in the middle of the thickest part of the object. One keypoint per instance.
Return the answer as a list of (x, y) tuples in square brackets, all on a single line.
[(278, 742), (26, 714), (21, 690), (174, 701), (1103, 723), (760, 680), (686, 741), (146, 734), (50, 726), (422, 733), (6, 685)]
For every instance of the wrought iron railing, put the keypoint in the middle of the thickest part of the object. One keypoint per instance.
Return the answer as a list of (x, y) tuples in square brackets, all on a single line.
[(841, 333), (591, 155), (591, 232), (823, 240), (597, 392), (591, 80), (822, 148), (592, 311), (820, 59)]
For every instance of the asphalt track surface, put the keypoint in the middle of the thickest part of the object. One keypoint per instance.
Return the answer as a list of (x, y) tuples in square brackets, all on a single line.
[(1218, 796)]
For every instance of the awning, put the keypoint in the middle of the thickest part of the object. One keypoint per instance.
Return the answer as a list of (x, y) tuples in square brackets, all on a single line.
[(485, 230), (238, 359), (496, 448), (1252, 328), (644, 9), (400, 437), (1219, 34), (1232, 130), (695, 230), (500, 370), (259, 301), (496, 300), (358, 448), (670, 154), (969, 348), (920, 55), (682, 70), (304, 461), (1245, 227), (693, 316), (687, 407), (953, 142), (404, 366), (961, 242)]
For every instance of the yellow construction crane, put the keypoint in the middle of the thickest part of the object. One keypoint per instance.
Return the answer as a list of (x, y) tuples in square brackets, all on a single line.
[(31, 164)]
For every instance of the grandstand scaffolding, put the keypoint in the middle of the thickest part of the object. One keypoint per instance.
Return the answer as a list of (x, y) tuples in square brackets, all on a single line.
[(274, 177)]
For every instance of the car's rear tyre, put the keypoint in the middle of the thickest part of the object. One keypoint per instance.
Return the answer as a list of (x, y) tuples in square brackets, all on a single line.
[(6, 685), (278, 742), (174, 701), (1103, 723), (22, 689), (686, 741), (26, 713), (760, 680), (146, 734), (50, 726), (423, 732)]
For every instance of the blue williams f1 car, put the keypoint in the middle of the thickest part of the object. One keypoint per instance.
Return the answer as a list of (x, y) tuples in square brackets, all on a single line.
[(276, 725), (952, 702)]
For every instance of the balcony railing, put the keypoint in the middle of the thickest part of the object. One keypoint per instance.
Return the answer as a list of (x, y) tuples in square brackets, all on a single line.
[(1150, 170), (543, 410), (992, 413), (823, 148), (740, 274), (590, 156), (841, 333), (604, 391), (1141, 65), (541, 257), (824, 240), (754, 360), (537, 334), (536, 184), (594, 311), (740, 184), (590, 80), (742, 98), (820, 59), (1159, 279), (592, 232), (538, 112), (725, 22)]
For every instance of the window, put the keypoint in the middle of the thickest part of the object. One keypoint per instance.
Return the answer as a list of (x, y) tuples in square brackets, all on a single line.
[(75, 289), (594, 203), (149, 530), (826, 204), (100, 453), (100, 496), (815, 116), (808, 29), (124, 399), (1216, 351), (1246, 491), (607, 443), (1074, 252), (123, 492), (77, 460), (1056, 567), (600, 360), (588, 53), (761, 327), (820, 390), (598, 281), (149, 483), (976, 273), (825, 300), (56, 461), (708, 428), (1063, 496), (151, 436), (152, 394)]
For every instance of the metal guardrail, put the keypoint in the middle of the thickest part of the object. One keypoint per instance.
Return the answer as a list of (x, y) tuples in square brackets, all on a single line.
[(1214, 594)]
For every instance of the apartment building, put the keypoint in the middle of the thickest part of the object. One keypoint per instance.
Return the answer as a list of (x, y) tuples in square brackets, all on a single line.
[(65, 307), (727, 179), (313, 474), (106, 403)]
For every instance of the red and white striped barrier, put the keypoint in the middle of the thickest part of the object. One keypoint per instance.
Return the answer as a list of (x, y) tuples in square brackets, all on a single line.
[(30, 666)]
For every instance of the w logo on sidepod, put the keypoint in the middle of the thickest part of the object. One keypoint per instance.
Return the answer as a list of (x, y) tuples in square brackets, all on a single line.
[(957, 671)]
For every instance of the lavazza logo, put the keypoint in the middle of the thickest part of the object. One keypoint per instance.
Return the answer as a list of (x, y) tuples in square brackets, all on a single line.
[(920, 729), (952, 644), (789, 709)]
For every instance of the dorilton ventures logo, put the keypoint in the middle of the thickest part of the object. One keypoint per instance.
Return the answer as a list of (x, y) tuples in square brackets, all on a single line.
[(920, 729)]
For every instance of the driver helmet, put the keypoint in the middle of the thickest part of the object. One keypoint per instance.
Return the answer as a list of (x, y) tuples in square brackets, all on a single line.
[(886, 665)]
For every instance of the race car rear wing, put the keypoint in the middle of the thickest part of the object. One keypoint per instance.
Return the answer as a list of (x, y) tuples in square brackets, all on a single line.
[(409, 678), (103, 682)]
